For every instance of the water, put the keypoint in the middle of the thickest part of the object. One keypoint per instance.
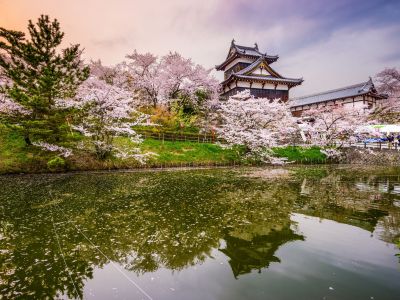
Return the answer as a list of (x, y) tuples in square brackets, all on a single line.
[(297, 233)]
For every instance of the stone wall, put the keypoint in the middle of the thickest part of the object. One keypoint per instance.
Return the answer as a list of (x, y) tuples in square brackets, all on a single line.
[(371, 157)]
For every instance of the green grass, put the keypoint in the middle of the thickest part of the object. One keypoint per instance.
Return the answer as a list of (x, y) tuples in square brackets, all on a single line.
[(299, 154), (16, 157), (185, 152)]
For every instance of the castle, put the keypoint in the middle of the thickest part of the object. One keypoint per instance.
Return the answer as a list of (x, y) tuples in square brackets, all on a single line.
[(246, 68)]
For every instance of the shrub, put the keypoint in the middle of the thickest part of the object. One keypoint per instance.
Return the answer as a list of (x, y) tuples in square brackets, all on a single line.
[(55, 164)]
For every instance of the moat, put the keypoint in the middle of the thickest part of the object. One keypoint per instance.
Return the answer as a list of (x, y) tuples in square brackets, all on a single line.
[(326, 232)]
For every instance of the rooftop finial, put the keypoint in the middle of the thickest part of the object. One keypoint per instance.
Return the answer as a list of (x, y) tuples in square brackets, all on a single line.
[(256, 45), (233, 41)]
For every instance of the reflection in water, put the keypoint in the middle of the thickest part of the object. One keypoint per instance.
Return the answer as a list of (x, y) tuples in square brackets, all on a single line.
[(256, 254), (56, 230)]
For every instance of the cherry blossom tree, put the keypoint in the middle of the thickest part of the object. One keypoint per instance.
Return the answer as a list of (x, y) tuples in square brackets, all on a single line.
[(332, 125), (164, 80), (389, 83), (106, 111), (144, 76), (259, 124), (116, 75), (181, 77), (62, 151), (8, 108)]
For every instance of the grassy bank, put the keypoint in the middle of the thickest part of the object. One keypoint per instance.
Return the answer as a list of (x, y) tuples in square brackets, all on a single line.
[(16, 157), (301, 155)]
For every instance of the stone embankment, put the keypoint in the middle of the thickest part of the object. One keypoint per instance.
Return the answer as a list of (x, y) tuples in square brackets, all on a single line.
[(372, 157)]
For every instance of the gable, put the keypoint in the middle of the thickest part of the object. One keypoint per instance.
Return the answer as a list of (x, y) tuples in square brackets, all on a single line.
[(261, 68), (231, 51)]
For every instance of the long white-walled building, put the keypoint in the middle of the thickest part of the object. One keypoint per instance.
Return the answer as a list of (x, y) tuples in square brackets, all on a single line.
[(357, 95)]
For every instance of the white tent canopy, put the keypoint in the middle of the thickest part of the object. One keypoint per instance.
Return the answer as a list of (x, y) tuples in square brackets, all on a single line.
[(391, 128)]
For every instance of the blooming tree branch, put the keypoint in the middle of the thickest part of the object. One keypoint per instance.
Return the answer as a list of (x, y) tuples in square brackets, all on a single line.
[(65, 152), (163, 80), (257, 123), (332, 125), (389, 83), (107, 111)]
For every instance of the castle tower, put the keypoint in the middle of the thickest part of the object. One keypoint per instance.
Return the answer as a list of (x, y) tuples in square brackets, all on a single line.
[(246, 68)]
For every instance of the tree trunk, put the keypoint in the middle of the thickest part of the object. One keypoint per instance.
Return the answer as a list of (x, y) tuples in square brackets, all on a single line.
[(27, 140)]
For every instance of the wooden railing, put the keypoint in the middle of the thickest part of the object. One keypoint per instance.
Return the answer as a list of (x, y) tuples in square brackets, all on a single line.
[(375, 145), (212, 139), (372, 145), (177, 136)]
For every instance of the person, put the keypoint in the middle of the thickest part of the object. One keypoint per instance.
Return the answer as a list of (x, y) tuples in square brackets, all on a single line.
[(390, 140), (398, 140)]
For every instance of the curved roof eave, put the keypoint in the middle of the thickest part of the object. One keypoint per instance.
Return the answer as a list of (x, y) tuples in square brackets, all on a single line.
[(270, 59), (288, 81)]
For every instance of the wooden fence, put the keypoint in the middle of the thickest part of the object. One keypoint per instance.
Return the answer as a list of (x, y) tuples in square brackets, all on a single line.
[(212, 139), (177, 136), (375, 146)]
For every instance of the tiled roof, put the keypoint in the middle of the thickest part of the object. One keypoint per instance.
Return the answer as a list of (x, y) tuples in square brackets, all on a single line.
[(253, 51), (242, 74), (243, 51), (270, 78), (275, 77), (290, 81), (345, 92), (255, 64), (250, 67)]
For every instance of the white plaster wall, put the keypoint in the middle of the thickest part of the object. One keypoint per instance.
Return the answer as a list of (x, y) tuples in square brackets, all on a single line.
[(356, 104), (244, 84), (258, 85), (348, 102), (239, 59), (260, 71), (282, 87)]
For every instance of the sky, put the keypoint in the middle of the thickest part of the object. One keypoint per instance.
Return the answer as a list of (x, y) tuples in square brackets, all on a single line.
[(328, 43)]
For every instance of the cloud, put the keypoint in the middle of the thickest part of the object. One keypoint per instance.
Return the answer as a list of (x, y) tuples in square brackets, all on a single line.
[(329, 43), (347, 57)]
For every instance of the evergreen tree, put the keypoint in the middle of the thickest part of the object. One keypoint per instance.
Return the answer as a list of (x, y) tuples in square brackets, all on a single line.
[(37, 73)]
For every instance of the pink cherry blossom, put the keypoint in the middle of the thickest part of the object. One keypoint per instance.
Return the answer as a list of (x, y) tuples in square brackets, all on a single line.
[(257, 123), (108, 109), (160, 81), (65, 152), (389, 83), (334, 125), (7, 105)]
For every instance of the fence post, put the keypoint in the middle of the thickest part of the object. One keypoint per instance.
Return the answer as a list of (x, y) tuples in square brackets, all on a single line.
[(380, 145), (365, 145)]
